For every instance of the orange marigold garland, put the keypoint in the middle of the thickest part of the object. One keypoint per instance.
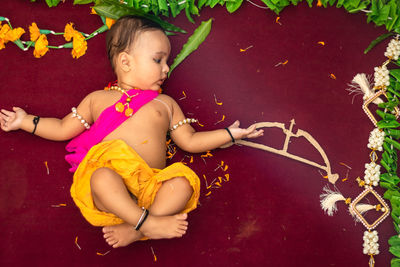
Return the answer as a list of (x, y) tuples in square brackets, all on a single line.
[(38, 38)]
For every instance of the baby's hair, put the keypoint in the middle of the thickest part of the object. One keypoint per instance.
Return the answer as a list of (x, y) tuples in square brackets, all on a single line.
[(123, 33)]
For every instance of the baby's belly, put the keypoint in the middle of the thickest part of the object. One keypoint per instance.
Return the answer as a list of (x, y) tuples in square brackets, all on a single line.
[(151, 146)]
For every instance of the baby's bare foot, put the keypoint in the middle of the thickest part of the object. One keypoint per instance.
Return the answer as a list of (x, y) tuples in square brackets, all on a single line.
[(157, 227), (121, 235)]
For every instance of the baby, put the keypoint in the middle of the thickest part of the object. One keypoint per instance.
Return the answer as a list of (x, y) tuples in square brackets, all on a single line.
[(118, 148)]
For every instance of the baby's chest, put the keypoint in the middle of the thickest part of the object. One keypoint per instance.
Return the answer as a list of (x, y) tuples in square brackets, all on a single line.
[(152, 114)]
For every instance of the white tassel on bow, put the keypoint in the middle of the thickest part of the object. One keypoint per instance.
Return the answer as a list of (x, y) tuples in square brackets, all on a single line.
[(329, 199), (361, 85), (361, 208)]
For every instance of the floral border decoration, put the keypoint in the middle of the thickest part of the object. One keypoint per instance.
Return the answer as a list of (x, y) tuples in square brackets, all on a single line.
[(381, 12)]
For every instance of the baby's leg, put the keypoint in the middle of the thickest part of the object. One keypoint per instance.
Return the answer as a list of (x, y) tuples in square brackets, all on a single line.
[(172, 197), (111, 195)]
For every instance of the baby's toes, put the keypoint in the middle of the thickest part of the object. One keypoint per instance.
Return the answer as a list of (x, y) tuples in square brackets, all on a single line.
[(107, 229), (111, 241)]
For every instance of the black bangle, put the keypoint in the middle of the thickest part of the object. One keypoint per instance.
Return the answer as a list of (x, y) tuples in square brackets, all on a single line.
[(35, 122), (142, 219), (229, 132)]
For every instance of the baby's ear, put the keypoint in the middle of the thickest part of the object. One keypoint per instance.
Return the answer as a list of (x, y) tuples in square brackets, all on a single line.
[(124, 61)]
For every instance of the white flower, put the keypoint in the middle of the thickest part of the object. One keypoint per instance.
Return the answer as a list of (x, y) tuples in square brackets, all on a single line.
[(393, 49), (381, 76)]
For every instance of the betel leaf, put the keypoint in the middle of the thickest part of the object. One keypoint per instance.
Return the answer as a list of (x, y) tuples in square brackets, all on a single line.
[(82, 2), (377, 41), (232, 6), (198, 36), (395, 251), (395, 73), (395, 262), (52, 3), (394, 241), (112, 10)]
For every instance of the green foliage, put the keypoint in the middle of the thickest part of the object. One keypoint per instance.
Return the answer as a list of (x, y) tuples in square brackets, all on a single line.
[(115, 10), (193, 43), (82, 2), (52, 3)]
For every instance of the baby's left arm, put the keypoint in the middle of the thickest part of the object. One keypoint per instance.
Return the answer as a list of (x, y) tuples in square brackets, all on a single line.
[(197, 142)]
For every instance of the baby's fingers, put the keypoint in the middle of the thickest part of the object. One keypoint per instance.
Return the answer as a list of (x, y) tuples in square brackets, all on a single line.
[(256, 134), (6, 112), (4, 117)]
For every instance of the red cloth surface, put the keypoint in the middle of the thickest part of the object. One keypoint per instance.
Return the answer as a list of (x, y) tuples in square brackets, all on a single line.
[(268, 214)]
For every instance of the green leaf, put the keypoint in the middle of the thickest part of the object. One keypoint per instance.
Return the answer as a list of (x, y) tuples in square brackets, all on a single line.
[(395, 73), (232, 6), (393, 133), (173, 7), (392, 142), (390, 124), (385, 116), (111, 10), (198, 36), (213, 3), (395, 251), (395, 262), (201, 3), (309, 2), (377, 41), (388, 178), (82, 2), (162, 4), (339, 3), (394, 241), (52, 3), (390, 194), (187, 11)]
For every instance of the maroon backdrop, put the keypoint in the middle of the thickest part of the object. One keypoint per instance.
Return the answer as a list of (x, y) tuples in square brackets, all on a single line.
[(268, 214)]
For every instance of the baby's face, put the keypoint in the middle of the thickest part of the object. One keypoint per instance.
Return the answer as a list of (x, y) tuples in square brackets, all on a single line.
[(150, 53)]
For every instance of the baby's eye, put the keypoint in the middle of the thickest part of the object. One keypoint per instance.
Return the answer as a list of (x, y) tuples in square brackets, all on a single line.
[(157, 60)]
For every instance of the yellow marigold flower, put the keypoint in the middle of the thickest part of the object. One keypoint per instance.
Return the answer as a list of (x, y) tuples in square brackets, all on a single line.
[(14, 34), (3, 32), (69, 31), (109, 22), (79, 45), (34, 32), (41, 46)]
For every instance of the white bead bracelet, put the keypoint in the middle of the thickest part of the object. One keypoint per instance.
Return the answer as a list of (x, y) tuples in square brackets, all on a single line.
[(182, 122), (79, 117)]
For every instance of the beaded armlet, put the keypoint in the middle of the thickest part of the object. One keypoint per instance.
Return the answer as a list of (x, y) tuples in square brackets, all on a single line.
[(79, 117), (182, 122)]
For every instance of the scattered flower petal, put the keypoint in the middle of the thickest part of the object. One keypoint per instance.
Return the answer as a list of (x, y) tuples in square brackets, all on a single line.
[(244, 50), (216, 101), (282, 63), (76, 243)]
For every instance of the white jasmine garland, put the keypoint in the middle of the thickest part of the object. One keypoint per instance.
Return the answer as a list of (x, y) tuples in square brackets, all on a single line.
[(381, 77), (376, 139), (372, 173), (393, 49), (371, 246)]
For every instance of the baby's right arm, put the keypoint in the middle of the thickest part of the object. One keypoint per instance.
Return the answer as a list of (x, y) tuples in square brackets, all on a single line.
[(48, 128)]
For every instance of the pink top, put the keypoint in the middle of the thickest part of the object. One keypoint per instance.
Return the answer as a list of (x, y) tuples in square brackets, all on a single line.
[(108, 121)]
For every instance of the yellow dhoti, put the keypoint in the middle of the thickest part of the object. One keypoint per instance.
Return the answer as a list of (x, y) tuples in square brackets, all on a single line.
[(141, 180)]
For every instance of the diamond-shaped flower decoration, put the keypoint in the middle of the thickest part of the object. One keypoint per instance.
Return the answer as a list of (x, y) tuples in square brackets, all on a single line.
[(386, 212), (369, 101)]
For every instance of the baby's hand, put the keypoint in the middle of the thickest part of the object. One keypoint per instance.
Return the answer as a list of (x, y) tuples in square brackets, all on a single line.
[(11, 121), (239, 133)]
